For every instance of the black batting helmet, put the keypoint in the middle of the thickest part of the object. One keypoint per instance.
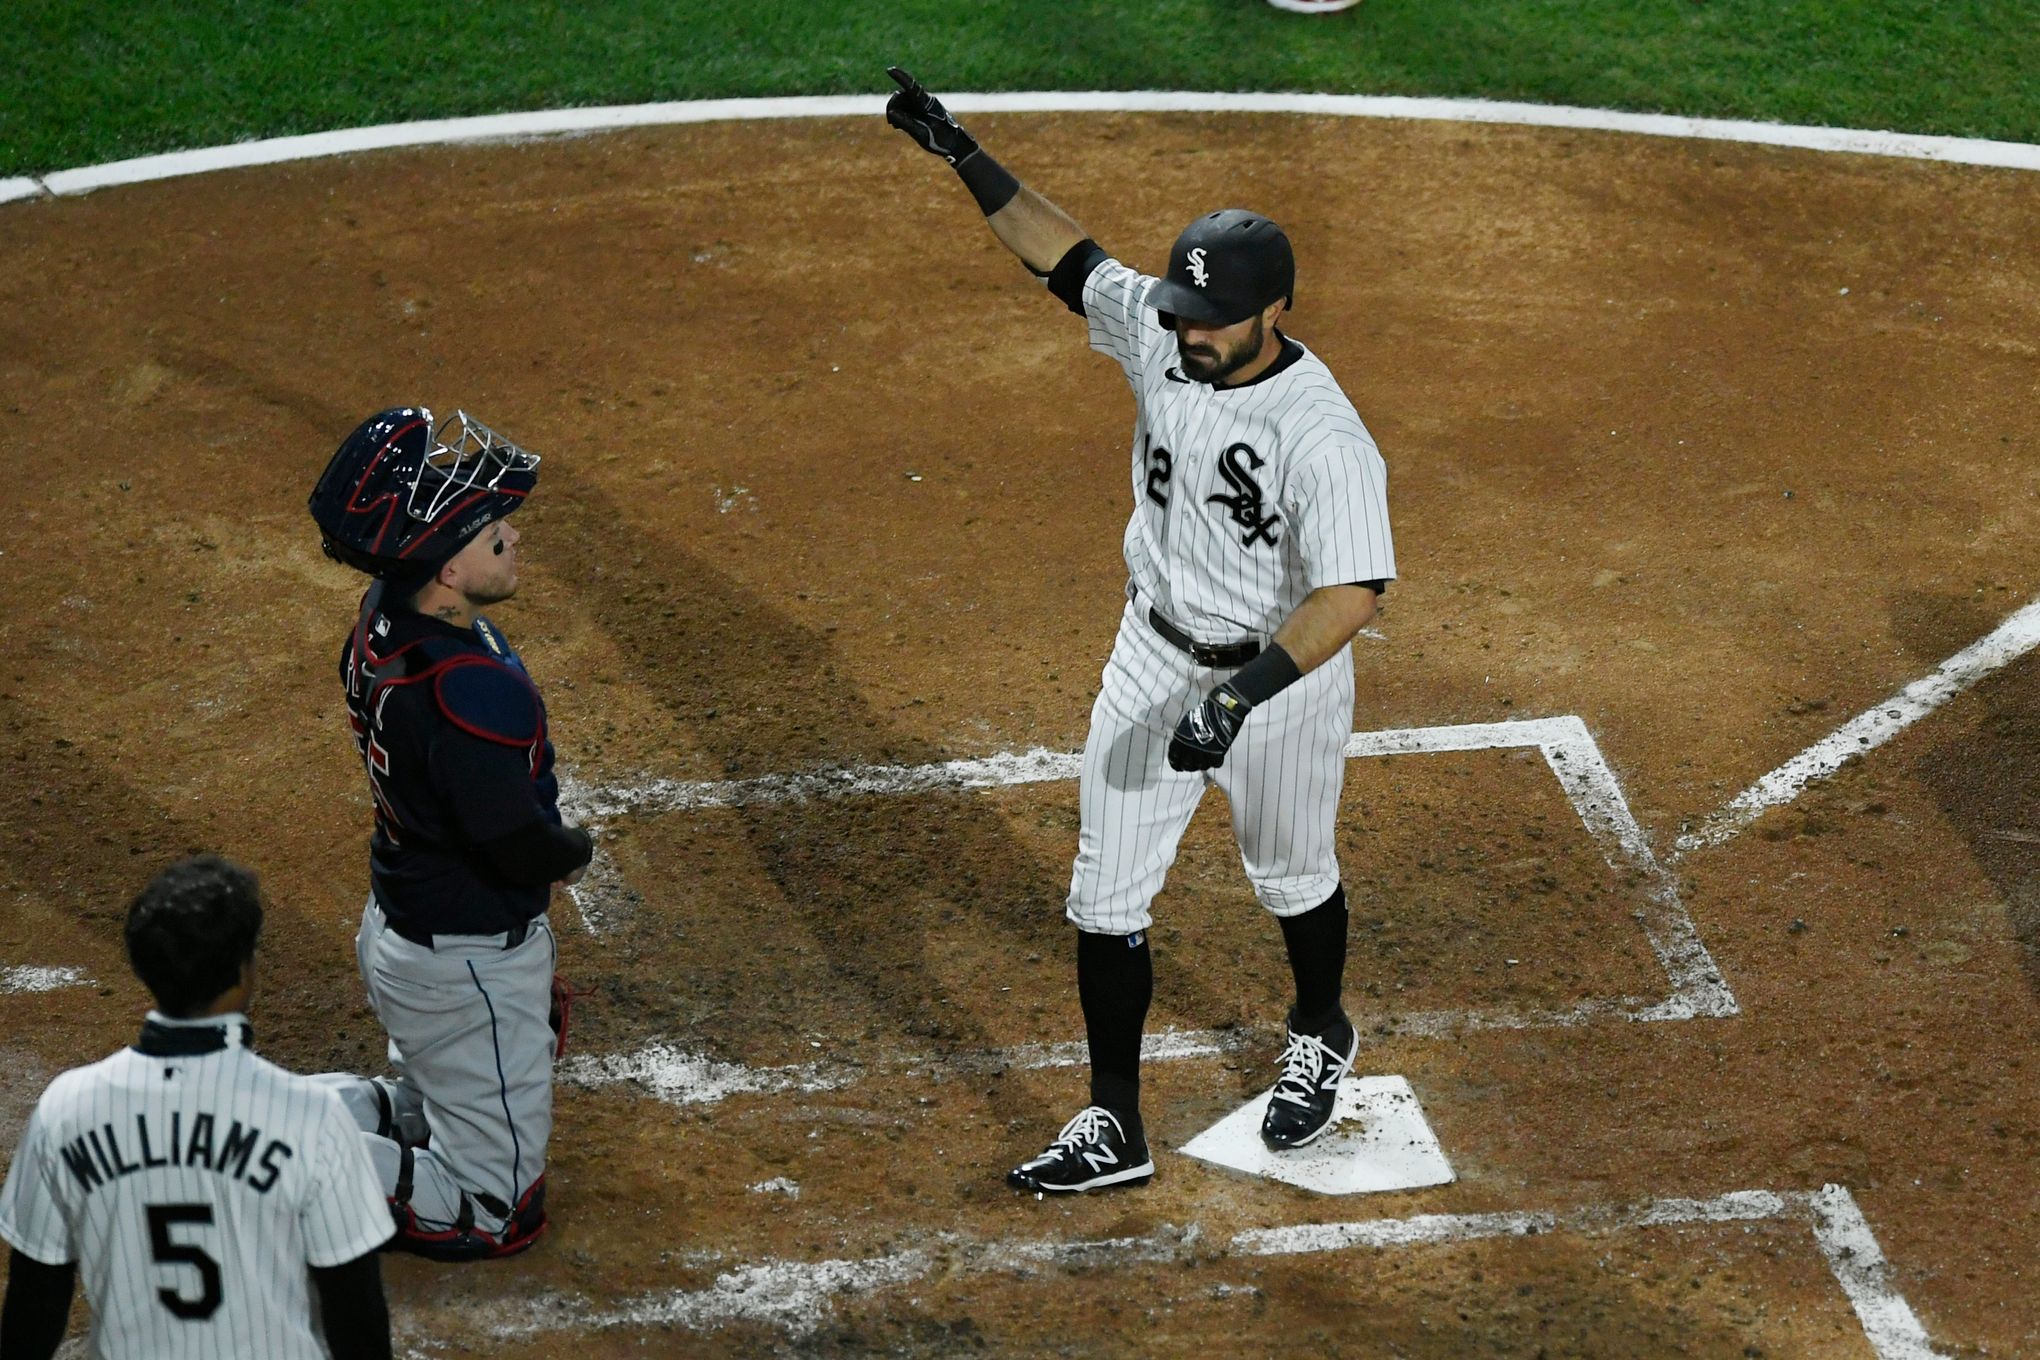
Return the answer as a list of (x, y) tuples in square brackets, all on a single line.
[(1225, 267), (400, 497)]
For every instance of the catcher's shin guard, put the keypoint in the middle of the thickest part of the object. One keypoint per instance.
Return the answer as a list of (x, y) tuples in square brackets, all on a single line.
[(463, 1241)]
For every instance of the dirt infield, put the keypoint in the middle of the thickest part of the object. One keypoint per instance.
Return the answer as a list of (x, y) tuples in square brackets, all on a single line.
[(1712, 446)]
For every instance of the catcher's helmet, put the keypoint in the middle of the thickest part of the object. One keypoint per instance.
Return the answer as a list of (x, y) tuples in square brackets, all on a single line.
[(400, 497), (1225, 267)]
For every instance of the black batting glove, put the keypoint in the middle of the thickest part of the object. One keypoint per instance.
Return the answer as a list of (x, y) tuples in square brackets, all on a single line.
[(921, 116), (1206, 732)]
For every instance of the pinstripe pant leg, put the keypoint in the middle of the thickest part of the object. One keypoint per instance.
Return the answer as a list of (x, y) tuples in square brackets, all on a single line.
[(1133, 807), (1283, 778)]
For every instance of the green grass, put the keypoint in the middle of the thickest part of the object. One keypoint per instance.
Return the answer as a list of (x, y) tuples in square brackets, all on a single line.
[(84, 81)]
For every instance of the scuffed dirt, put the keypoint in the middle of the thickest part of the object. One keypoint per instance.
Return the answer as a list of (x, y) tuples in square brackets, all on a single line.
[(1712, 446)]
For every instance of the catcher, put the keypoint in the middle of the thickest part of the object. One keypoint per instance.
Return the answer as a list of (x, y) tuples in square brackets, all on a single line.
[(455, 948)]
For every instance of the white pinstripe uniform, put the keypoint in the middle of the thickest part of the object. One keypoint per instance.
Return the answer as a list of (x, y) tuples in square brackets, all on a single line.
[(194, 1191), (1245, 500)]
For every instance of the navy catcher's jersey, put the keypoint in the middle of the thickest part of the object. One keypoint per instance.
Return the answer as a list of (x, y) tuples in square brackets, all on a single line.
[(1246, 498), (453, 734), (194, 1183)]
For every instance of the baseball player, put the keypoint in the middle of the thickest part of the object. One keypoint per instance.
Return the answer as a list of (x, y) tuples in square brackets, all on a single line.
[(1258, 544), (202, 1192), (454, 948)]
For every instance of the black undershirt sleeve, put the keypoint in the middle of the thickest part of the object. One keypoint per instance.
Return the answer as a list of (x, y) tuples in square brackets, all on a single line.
[(352, 1310), (1071, 272), (535, 854), (507, 833), (487, 785), (38, 1307)]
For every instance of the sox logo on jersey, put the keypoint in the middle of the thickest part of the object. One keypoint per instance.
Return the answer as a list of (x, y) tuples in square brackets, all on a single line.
[(1245, 500), (1237, 465)]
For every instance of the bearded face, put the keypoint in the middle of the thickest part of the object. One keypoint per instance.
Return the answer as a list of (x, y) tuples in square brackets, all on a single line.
[(1213, 355)]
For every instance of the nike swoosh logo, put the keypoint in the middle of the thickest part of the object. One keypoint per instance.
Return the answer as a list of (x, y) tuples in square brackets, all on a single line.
[(1175, 375)]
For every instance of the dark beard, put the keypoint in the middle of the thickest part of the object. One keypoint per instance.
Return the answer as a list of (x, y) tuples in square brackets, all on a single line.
[(1216, 370)]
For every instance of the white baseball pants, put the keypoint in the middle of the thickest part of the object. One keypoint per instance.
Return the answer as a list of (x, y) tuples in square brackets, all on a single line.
[(471, 1045), (1282, 777)]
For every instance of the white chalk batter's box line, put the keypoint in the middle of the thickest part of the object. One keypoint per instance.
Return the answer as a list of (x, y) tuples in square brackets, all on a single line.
[(681, 1077), (32, 978), (800, 1296), (2010, 640)]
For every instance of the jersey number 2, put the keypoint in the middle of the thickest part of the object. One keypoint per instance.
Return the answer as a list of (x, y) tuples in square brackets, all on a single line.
[(1160, 465), (163, 1217)]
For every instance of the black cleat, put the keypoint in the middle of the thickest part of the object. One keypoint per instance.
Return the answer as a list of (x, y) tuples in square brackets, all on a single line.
[(1300, 1108), (1093, 1151)]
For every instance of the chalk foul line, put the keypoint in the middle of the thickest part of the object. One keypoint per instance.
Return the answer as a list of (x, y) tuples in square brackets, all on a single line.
[(1868, 730), (799, 1297)]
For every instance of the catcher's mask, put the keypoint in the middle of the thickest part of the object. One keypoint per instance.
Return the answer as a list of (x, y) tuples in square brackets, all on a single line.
[(1224, 268), (400, 497)]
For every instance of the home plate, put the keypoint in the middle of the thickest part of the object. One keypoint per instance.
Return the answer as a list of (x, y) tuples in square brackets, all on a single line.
[(1379, 1140)]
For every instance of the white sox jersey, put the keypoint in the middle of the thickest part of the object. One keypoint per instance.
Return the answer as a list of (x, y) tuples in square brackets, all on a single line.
[(1246, 499), (194, 1183)]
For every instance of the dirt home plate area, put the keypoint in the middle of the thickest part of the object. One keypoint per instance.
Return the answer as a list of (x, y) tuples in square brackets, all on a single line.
[(1692, 823)]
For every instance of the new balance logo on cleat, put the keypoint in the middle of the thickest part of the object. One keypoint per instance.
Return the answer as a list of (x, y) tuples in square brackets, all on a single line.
[(1081, 1154), (1300, 1107)]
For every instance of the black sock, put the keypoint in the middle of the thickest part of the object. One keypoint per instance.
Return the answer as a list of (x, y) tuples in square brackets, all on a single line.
[(1316, 941), (1115, 982)]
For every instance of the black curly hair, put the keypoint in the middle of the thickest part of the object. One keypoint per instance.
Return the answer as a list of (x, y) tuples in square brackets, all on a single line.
[(190, 931)]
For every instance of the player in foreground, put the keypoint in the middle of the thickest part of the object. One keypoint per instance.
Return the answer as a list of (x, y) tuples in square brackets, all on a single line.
[(1258, 544), (204, 1191), (455, 947)]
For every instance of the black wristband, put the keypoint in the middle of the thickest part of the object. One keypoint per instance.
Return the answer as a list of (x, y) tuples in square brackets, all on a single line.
[(988, 181), (1266, 676)]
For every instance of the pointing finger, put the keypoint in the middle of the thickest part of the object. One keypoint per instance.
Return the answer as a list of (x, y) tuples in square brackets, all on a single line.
[(906, 82)]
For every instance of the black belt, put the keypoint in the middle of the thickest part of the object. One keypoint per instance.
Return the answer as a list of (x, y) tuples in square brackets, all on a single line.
[(404, 929), (1218, 656)]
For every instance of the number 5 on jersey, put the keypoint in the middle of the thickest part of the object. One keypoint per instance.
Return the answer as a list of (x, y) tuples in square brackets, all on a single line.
[(164, 1217)]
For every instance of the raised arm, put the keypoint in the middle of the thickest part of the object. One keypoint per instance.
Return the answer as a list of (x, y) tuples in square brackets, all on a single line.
[(1027, 224)]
